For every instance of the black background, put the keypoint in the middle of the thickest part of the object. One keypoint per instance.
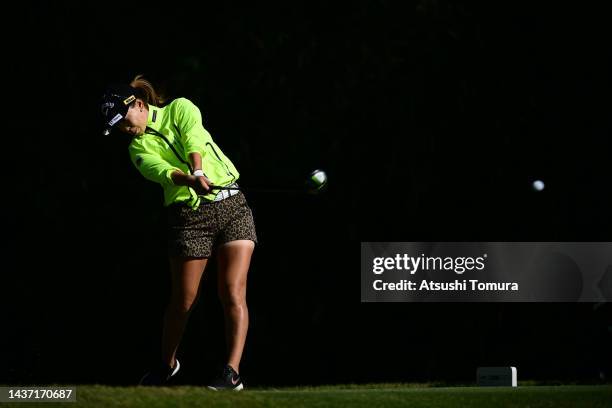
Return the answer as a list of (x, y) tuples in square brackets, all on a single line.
[(431, 119)]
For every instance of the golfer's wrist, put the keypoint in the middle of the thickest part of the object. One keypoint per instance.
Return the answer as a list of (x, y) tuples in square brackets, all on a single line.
[(198, 173), (181, 179)]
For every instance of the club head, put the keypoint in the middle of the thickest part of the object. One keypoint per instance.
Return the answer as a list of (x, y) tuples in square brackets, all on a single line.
[(316, 182)]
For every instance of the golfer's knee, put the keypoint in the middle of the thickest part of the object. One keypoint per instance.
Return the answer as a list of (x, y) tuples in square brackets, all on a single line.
[(182, 304), (232, 296)]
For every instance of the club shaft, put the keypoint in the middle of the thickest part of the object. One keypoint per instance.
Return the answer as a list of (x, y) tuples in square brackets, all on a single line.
[(257, 190)]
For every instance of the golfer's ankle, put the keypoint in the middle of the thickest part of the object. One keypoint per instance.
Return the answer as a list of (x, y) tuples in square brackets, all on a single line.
[(169, 362)]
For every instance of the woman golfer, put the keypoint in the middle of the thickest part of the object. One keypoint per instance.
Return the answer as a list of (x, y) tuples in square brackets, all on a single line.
[(171, 147)]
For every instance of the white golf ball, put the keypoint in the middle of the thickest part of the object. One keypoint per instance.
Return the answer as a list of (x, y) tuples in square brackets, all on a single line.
[(538, 185)]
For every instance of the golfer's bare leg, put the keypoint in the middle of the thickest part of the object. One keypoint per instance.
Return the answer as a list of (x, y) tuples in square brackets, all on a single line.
[(234, 258), (186, 276)]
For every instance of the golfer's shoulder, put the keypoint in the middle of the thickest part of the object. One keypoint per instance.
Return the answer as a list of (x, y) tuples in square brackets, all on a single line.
[(182, 106), (146, 143)]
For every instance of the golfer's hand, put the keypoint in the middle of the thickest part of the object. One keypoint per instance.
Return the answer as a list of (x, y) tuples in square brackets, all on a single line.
[(202, 185)]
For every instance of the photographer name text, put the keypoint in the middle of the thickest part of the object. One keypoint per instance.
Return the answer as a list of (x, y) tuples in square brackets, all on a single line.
[(412, 265)]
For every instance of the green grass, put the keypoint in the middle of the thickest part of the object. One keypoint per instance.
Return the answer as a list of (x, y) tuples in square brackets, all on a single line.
[(361, 396)]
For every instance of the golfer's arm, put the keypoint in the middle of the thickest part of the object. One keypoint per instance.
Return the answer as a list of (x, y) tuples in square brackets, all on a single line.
[(196, 160), (181, 179)]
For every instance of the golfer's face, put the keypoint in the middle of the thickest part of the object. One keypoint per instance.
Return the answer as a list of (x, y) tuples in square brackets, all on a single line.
[(135, 121)]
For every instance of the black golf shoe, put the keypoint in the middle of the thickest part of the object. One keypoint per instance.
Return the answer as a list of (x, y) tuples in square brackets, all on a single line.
[(229, 379), (160, 374)]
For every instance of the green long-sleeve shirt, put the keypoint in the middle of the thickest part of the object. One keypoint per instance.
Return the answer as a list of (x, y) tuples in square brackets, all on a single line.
[(181, 123)]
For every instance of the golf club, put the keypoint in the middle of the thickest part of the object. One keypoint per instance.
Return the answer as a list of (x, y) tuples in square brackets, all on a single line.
[(316, 182)]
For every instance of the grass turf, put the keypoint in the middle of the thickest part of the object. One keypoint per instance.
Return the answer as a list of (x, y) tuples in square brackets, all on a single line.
[(365, 396)]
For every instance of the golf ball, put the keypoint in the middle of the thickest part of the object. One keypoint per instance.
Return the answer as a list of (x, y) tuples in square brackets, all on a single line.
[(538, 185)]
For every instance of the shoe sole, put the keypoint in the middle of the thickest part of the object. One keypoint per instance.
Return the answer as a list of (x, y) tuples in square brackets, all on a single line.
[(237, 388)]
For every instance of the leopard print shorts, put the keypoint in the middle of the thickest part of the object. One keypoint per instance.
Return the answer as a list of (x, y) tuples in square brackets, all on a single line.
[(194, 233)]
